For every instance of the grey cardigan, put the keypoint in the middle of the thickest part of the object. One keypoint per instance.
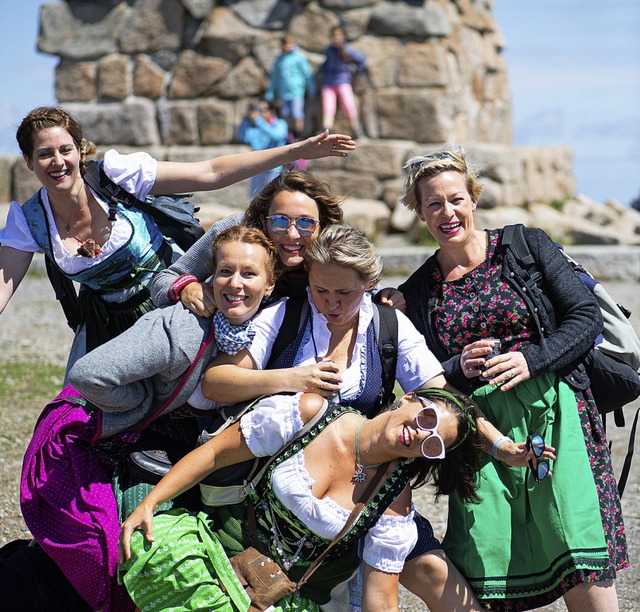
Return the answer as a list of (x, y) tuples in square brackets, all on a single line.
[(560, 349), (132, 376)]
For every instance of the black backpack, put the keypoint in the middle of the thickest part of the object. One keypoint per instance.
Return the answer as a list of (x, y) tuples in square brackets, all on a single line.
[(174, 216), (30, 581)]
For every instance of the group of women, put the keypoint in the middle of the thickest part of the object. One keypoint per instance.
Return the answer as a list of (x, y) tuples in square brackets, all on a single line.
[(525, 526)]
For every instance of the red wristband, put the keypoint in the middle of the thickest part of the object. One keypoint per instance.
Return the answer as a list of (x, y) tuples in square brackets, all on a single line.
[(178, 285)]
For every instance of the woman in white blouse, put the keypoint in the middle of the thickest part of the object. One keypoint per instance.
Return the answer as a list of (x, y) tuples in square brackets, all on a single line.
[(113, 260), (309, 493)]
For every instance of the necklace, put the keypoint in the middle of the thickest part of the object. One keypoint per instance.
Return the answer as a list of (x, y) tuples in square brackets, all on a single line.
[(360, 474), (67, 224)]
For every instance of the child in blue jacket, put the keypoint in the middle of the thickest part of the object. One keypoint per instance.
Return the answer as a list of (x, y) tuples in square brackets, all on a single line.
[(291, 78)]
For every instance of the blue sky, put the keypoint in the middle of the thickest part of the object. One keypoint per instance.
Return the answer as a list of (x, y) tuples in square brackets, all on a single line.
[(574, 72)]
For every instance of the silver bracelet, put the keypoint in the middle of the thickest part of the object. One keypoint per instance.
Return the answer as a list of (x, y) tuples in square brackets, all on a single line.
[(496, 445)]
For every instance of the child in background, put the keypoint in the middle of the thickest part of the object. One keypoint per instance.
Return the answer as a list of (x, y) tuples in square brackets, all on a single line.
[(291, 79), (261, 128)]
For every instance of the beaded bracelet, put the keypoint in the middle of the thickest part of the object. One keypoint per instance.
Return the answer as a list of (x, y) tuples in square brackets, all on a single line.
[(496, 446)]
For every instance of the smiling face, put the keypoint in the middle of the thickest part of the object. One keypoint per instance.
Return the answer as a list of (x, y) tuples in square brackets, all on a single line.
[(55, 160), (404, 434), (337, 292), (241, 280), (446, 207), (291, 245)]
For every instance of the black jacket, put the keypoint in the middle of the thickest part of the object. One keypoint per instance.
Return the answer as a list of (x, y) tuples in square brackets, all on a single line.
[(561, 349)]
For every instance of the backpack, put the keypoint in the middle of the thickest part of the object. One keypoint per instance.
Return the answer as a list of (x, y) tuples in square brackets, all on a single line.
[(612, 365), (385, 329), (30, 581), (174, 216)]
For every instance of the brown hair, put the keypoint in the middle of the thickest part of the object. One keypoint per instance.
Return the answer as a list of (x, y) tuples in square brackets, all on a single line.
[(45, 117), (248, 235), (329, 204)]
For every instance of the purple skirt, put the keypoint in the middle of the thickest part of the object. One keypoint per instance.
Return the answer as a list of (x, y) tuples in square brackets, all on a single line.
[(68, 504)]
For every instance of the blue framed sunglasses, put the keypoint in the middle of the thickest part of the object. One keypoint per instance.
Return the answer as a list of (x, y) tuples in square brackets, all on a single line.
[(279, 224), (539, 467)]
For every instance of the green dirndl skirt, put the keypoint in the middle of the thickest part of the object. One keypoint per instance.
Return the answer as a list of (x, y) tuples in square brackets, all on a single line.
[(524, 537), (186, 569)]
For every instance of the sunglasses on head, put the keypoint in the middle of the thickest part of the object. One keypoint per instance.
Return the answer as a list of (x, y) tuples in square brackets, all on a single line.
[(437, 156), (539, 467), (428, 420), (279, 224)]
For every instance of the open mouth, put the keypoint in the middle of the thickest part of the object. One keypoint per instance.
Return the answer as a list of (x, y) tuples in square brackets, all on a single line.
[(60, 174), (292, 249), (406, 436), (450, 228), (234, 300)]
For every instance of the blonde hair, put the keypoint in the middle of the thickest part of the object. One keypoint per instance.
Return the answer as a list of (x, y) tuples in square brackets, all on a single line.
[(349, 247), (447, 159)]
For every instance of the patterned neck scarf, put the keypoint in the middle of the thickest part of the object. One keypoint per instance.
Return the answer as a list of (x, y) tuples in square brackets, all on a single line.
[(231, 339)]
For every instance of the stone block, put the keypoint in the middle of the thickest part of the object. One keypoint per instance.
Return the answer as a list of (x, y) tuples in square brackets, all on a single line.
[(75, 82), (86, 32), (223, 34), (216, 121), (6, 165), (114, 77), (382, 158), (152, 25), (312, 27), (132, 123), (24, 182), (420, 115), (405, 21), (198, 9), (267, 14), (371, 216), (178, 123), (423, 64), (195, 76), (246, 78), (148, 78)]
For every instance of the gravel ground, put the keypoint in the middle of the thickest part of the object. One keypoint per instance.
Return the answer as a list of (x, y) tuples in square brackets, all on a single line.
[(33, 329)]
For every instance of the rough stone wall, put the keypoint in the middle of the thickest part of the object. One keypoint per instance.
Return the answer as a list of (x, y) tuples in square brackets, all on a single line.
[(174, 77)]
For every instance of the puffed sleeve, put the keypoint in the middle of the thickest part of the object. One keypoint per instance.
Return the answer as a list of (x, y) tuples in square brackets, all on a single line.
[(271, 424), (416, 363), (134, 172), (267, 324), (388, 543), (16, 234)]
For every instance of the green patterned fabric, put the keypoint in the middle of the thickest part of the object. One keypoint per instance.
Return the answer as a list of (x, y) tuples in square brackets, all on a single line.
[(186, 569), (524, 537)]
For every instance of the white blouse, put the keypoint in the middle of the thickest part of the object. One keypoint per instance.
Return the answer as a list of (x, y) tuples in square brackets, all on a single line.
[(416, 363), (271, 425), (135, 172)]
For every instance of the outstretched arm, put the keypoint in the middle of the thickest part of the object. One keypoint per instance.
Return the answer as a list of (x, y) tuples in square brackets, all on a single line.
[(13, 267), (227, 448), (219, 172)]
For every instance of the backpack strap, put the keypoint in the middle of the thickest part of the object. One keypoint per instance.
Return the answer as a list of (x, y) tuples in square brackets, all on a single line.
[(97, 179), (295, 315), (385, 329), (624, 474)]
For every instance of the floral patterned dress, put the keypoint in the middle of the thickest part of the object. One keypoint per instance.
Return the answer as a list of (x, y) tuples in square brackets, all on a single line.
[(526, 543)]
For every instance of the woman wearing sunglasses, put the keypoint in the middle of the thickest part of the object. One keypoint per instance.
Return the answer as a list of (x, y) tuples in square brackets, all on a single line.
[(305, 500)]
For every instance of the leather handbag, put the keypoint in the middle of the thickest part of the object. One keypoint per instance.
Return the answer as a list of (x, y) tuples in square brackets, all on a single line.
[(263, 579)]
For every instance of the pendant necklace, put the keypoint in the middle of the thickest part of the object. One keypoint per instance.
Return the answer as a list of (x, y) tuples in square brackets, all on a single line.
[(67, 224), (360, 474)]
